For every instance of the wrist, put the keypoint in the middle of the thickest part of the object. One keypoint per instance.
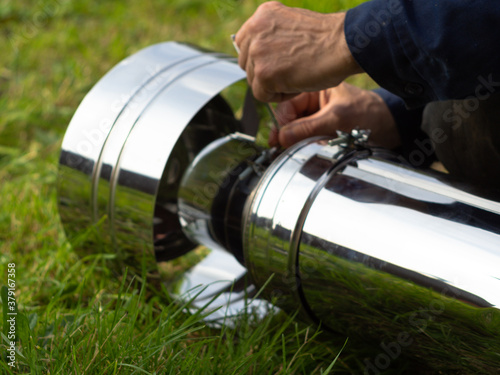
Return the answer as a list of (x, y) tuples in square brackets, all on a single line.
[(340, 61), (350, 64)]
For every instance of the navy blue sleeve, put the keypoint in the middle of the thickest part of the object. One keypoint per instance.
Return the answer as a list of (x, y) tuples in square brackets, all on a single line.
[(408, 123), (428, 50)]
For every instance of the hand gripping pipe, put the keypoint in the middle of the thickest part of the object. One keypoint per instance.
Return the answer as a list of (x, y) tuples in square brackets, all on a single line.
[(161, 157)]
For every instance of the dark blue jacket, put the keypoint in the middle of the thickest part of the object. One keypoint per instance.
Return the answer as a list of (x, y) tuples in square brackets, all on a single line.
[(423, 51)]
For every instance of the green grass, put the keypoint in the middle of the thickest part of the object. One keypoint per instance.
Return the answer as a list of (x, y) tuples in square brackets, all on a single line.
[(75, 317)]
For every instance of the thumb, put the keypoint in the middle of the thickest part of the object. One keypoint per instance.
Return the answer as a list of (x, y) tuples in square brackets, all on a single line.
[(306, 127)]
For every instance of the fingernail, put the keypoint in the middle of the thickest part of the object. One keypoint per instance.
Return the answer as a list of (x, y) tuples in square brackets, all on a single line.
[(233, 39)]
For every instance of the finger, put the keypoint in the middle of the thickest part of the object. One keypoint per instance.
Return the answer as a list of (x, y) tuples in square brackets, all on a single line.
[(283, 97), (250, 74), (265, 95), (260, 92), (273, 139), (242, 40), (286, 111), (292, 109), (301, 105), (306, 127)]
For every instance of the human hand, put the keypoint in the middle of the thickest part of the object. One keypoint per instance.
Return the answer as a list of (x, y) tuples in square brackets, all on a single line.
[(344, 108), (286, 51)]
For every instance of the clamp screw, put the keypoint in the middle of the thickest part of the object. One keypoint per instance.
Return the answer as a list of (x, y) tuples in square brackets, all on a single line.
[(357, 137)]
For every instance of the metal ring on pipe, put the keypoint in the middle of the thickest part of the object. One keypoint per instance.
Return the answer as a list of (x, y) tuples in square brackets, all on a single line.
[(130, 140)]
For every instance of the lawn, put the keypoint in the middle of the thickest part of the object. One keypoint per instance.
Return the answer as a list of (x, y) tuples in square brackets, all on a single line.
[(74, 315)]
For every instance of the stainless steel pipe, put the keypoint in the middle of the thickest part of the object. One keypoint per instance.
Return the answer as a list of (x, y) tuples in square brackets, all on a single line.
[(370, 248), (154, 162), (129, 142)]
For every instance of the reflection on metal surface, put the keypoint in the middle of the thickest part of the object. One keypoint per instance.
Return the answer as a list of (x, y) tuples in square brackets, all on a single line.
[(219, 282), (363, 244), (154, 162), (214, 190), (128, 145), (106, 168)]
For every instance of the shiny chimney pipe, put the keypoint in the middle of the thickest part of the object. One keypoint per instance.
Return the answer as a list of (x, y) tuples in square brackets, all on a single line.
[(161, 157)]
